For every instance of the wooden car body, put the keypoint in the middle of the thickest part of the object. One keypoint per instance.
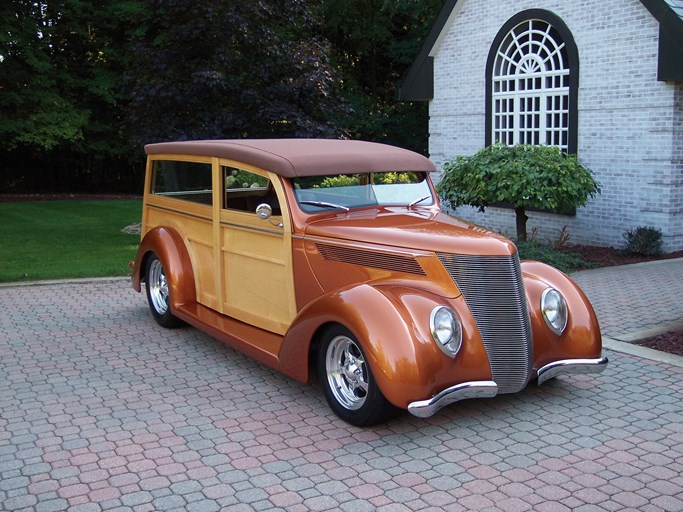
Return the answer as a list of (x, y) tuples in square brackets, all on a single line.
[(272, 285)]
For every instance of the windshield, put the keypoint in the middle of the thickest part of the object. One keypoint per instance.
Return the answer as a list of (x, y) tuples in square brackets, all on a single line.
[(346, 191)]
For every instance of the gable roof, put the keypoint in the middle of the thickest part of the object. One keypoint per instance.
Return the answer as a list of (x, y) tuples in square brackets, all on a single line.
[(669, 14), (302, 157), (418, 84)]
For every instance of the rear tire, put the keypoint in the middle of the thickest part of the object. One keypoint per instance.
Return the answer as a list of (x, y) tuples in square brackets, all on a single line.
[(348, 383), (158, 294)]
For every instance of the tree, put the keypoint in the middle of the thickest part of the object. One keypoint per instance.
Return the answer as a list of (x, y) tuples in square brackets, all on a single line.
[(523, 176), (83, 84), (373, 44), (217, 69), (61, 94), (35, 112)]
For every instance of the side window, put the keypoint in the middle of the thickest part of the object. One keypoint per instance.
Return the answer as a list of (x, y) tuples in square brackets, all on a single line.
[(189, 181), (245, 190)]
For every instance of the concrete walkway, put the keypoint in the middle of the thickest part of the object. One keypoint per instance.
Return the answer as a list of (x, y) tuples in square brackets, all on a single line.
[(101, 409)]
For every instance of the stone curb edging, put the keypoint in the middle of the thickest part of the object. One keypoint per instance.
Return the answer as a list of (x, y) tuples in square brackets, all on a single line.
[(649, 333), (47, 282), (640, 351)]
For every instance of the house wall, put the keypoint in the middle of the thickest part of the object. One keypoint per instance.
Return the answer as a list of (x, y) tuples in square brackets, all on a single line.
[(676, 200), (629, 130)]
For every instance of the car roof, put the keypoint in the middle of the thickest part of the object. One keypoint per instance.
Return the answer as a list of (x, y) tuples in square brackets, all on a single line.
[(302, 157)]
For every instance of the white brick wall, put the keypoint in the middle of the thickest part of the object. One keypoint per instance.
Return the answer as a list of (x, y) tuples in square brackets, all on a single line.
[(630, 125)]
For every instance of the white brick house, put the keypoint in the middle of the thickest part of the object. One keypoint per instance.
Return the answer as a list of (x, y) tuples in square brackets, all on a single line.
[(603, 80)]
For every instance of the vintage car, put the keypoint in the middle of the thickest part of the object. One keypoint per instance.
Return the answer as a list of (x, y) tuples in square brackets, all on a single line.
[(333, 258)]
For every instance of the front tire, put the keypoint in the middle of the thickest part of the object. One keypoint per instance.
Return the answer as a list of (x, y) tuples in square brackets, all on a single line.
[(158, 294), (348, 383)]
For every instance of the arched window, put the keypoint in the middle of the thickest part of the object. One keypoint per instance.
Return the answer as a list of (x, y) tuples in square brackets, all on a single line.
[(532, 82)]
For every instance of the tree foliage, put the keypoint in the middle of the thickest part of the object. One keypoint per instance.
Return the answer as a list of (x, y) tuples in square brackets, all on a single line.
[(84, 84), (61, 94), (36, 111), (373, 44), (217, 69), (523, 176)]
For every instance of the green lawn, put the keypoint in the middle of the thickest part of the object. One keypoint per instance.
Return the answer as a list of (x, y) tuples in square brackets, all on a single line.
[(59, 239)]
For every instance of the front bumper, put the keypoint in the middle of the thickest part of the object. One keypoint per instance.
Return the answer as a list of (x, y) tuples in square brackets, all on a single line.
[(476, 389), (571, 367), (489, 389)]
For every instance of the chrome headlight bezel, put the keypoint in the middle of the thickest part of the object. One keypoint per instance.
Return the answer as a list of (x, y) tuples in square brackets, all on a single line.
[(446, 329), (554, 310)]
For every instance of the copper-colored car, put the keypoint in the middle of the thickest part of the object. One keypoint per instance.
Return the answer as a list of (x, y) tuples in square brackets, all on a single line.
[(333, 257)]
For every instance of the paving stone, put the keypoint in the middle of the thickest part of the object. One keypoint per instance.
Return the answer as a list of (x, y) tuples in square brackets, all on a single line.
[(203, 506), (171, 502), (112, 412), (24, 501), (85, 507), (137, 498), (52, 505)]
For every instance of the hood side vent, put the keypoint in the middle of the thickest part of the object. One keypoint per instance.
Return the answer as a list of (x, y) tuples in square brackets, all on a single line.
[(380, 260)]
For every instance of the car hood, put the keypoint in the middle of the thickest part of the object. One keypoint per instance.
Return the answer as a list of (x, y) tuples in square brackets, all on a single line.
[(419, 229)]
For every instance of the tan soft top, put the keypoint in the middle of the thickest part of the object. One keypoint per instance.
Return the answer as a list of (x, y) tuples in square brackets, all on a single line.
[(302, 157)]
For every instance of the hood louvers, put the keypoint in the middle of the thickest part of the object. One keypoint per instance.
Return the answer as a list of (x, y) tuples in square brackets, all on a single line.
[(382, 261)]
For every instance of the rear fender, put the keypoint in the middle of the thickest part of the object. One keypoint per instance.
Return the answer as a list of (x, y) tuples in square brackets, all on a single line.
[(169, 247)]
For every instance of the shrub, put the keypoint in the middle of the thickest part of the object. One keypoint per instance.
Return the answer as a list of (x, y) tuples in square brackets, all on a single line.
[(644, 241), (564, 261), (339, 181), (523, 176)]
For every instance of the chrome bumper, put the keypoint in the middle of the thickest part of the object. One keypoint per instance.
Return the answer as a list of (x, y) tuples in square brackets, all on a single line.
[(476, 389), (571, 366)]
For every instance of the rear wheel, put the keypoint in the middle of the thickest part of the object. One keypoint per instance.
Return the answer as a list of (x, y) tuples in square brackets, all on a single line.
[(350, 388), (158, 293)]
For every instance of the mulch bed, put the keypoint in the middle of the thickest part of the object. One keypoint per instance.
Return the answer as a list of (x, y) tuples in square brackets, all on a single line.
[(610, 257), (671, 342)]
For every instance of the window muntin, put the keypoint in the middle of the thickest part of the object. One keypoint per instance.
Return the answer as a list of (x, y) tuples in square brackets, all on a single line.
[(362, 190), (530, 82), (187, 181), (245, 190)]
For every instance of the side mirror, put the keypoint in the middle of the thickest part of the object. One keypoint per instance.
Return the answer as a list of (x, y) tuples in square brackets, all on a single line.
[(264, 211)]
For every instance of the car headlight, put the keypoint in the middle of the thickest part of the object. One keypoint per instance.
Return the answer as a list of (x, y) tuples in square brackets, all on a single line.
[(554, 310), (446, 330)]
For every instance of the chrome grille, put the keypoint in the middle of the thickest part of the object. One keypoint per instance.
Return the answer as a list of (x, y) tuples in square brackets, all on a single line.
[(494, 291)]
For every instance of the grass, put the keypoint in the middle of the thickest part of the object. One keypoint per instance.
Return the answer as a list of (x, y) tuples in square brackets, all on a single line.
[(62, 239)]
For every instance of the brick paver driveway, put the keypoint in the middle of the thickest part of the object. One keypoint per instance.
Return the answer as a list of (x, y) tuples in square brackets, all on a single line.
[(101, 409)]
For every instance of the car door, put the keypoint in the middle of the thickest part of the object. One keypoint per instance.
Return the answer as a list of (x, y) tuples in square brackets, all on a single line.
[(255, 263), (179, 195)]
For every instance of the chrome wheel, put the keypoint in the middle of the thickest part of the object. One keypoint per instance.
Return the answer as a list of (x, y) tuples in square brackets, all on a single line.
[(158, 292), (347, 373), (158, 287)]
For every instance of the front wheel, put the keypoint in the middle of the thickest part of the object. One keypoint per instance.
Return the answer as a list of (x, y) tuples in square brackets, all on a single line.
[(350, 389), (158, 294)]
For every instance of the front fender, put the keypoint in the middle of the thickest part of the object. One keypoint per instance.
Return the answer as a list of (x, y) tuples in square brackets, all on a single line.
[(581, 339), (392, 325), (169, 247)]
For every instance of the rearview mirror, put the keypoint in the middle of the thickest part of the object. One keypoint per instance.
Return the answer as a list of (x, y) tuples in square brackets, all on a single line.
[(264, 211)]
